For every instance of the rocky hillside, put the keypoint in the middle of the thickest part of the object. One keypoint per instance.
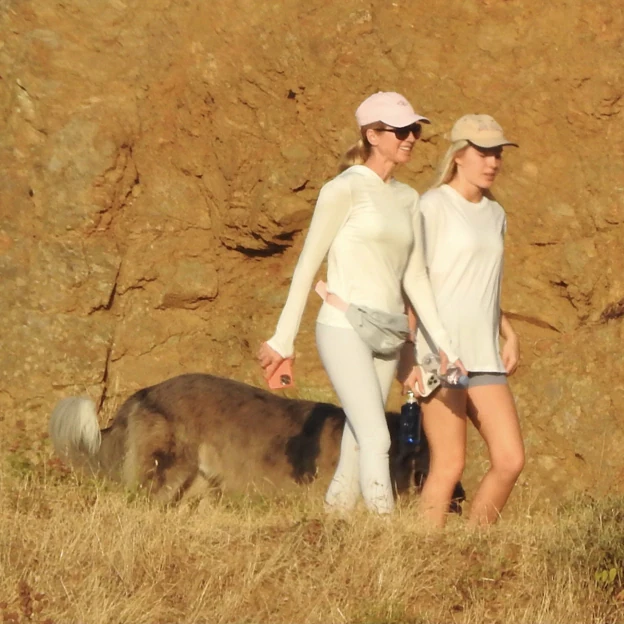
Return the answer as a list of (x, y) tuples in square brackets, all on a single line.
[(160, 163)]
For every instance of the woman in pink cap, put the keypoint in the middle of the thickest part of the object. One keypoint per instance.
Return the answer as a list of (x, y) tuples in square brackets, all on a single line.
[(368, 224), (463, 229)]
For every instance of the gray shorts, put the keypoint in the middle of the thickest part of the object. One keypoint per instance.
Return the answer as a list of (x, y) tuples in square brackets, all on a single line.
[(486, 379), (481, 379)]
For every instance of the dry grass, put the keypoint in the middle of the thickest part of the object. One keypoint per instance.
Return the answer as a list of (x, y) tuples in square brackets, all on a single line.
[(80, 550)]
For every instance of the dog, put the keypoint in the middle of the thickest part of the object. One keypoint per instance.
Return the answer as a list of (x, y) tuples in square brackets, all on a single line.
[(198, 433)]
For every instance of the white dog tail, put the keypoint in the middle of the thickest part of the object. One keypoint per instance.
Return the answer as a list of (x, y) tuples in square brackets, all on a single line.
[(74, 429)]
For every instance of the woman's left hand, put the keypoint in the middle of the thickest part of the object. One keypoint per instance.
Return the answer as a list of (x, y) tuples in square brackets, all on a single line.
[(269, 359), (413, 382), (511, 354)]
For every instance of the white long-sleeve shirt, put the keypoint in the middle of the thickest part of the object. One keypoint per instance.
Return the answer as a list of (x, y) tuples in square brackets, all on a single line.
[(464, 254), (368, 227)]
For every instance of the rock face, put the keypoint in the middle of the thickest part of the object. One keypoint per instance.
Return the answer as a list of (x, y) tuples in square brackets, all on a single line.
[(160, 164)]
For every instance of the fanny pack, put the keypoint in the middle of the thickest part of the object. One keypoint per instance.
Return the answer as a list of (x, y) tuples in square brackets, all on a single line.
[(383, 332)]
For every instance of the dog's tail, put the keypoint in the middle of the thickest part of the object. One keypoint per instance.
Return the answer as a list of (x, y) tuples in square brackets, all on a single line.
[(74, 430)]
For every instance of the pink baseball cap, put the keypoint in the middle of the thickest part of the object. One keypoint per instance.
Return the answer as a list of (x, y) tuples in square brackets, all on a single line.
[(388, 107)]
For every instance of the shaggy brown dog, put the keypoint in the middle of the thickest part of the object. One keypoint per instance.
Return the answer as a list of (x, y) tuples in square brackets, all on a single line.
[(197, 433)]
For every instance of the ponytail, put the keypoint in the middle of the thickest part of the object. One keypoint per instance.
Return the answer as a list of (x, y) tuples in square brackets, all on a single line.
[(359, 152)]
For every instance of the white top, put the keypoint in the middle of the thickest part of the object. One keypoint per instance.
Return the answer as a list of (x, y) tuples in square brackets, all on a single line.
[(464, 252), (368, 227)]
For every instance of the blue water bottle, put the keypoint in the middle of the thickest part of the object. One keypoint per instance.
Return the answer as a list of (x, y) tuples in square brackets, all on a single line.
[(410, 424)]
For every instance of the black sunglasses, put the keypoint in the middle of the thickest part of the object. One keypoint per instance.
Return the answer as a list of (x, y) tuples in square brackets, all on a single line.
[(402, 133)]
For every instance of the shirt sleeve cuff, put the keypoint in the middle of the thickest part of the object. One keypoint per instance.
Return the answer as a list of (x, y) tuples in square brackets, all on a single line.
[(280, 348), (447, 348)]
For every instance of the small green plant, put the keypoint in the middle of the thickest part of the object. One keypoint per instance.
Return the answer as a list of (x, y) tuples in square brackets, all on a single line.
[(606, 578)]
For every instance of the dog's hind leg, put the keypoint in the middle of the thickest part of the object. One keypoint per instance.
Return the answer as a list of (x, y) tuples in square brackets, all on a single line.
[(150, 455), (173, 483), (207, 479), (202, 487), (183, 477), (184, 481)]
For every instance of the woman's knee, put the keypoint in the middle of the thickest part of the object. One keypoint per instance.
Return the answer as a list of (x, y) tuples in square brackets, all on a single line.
[(448, 468), (375, 443), (510, 464)]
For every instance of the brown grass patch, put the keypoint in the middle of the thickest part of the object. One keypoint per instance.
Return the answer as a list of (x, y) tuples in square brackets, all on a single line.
[(74, 549)]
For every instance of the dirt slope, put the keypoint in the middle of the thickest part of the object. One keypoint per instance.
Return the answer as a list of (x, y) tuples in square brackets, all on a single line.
[(160, 164)]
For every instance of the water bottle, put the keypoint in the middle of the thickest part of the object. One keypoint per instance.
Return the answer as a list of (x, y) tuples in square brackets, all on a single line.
[(410, 425), (453, 375)]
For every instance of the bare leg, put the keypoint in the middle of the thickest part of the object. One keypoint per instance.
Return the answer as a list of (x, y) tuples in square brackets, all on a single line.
[(493, 412), (444, 422)]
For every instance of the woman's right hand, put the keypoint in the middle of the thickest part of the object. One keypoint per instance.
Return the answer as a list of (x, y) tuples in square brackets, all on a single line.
[(269, 359), (444, 364)]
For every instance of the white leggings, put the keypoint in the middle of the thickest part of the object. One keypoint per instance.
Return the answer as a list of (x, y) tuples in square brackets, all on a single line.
[(362, 381)]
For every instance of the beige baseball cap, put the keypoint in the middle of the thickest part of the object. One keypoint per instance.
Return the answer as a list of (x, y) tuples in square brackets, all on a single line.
[(480, 130)]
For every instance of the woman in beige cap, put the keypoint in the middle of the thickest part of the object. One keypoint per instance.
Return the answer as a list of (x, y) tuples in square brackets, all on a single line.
[(364, 220), (463, 229)]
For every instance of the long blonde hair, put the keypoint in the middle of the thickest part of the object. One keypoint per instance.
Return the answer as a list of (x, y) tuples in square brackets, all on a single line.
[(360, 151), (448, 167)]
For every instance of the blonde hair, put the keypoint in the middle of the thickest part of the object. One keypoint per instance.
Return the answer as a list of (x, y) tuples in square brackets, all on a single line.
[(448, 167), (360, 151)]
